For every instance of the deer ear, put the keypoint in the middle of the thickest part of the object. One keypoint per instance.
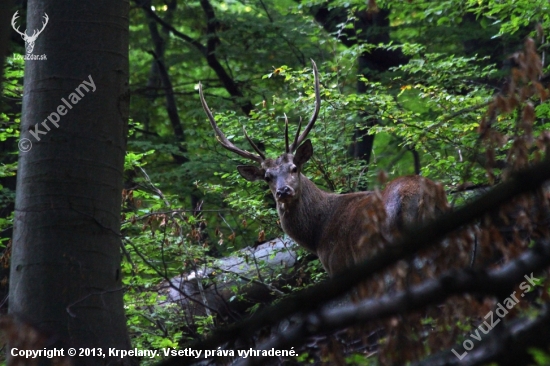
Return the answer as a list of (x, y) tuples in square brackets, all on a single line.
[(303, 153), (251, 172)]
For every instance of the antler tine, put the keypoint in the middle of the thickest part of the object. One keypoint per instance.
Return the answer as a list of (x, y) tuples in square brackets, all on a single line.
[(295, 142), (13, 19), (286, 135), (44, 23), (302, 137), (223, 140), (253, 144)]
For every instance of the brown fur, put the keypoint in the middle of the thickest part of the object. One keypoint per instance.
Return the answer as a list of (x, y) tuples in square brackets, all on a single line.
[(341, 228)]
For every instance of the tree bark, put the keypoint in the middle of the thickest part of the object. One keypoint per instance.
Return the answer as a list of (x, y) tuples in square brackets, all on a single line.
[(65, 268)]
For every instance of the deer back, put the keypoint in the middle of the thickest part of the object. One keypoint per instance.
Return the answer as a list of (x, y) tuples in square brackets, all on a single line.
[(345, 229), (412, 199)]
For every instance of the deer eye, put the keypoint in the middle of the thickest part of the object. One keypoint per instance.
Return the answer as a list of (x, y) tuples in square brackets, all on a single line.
[(294, 169), (267, 177)]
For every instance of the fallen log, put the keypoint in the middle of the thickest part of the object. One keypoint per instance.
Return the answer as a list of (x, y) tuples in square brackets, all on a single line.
[(232, 285)]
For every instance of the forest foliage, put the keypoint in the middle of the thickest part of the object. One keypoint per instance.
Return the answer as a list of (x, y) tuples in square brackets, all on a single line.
[(463, 100)]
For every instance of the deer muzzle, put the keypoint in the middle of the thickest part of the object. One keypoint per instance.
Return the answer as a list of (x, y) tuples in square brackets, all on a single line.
[(284, 193)]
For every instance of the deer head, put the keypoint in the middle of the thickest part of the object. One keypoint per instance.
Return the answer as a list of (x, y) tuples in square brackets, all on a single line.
[(284, 173), (29, 40)]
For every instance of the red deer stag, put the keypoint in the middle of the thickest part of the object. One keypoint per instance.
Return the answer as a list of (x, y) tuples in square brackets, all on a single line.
[(339, 228)]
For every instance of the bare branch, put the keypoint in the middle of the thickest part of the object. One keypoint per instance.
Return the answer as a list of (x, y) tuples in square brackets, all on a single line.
[(497, 282), (507, 347), (523, 181)]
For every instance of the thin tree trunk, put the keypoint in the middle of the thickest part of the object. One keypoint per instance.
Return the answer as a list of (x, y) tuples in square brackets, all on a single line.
[(5, 13), (65, 270)]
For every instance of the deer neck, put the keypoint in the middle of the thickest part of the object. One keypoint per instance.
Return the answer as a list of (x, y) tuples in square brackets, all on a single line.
[(303, 219)]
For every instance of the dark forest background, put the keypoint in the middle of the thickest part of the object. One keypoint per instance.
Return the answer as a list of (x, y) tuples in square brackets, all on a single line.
[(131, 205)]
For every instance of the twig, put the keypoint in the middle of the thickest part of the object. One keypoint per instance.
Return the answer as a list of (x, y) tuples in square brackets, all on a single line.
[(242, 277), (496, 282), (523, 181), (168, 280), (93, 293)]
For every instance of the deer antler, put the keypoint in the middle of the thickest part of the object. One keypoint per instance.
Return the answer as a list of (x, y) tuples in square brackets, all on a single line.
[(36, 33), (224, 141), (13, 19), (299, 139), (287, 149)]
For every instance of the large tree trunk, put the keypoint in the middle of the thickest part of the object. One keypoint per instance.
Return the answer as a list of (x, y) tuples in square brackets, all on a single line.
[(65, 269)]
